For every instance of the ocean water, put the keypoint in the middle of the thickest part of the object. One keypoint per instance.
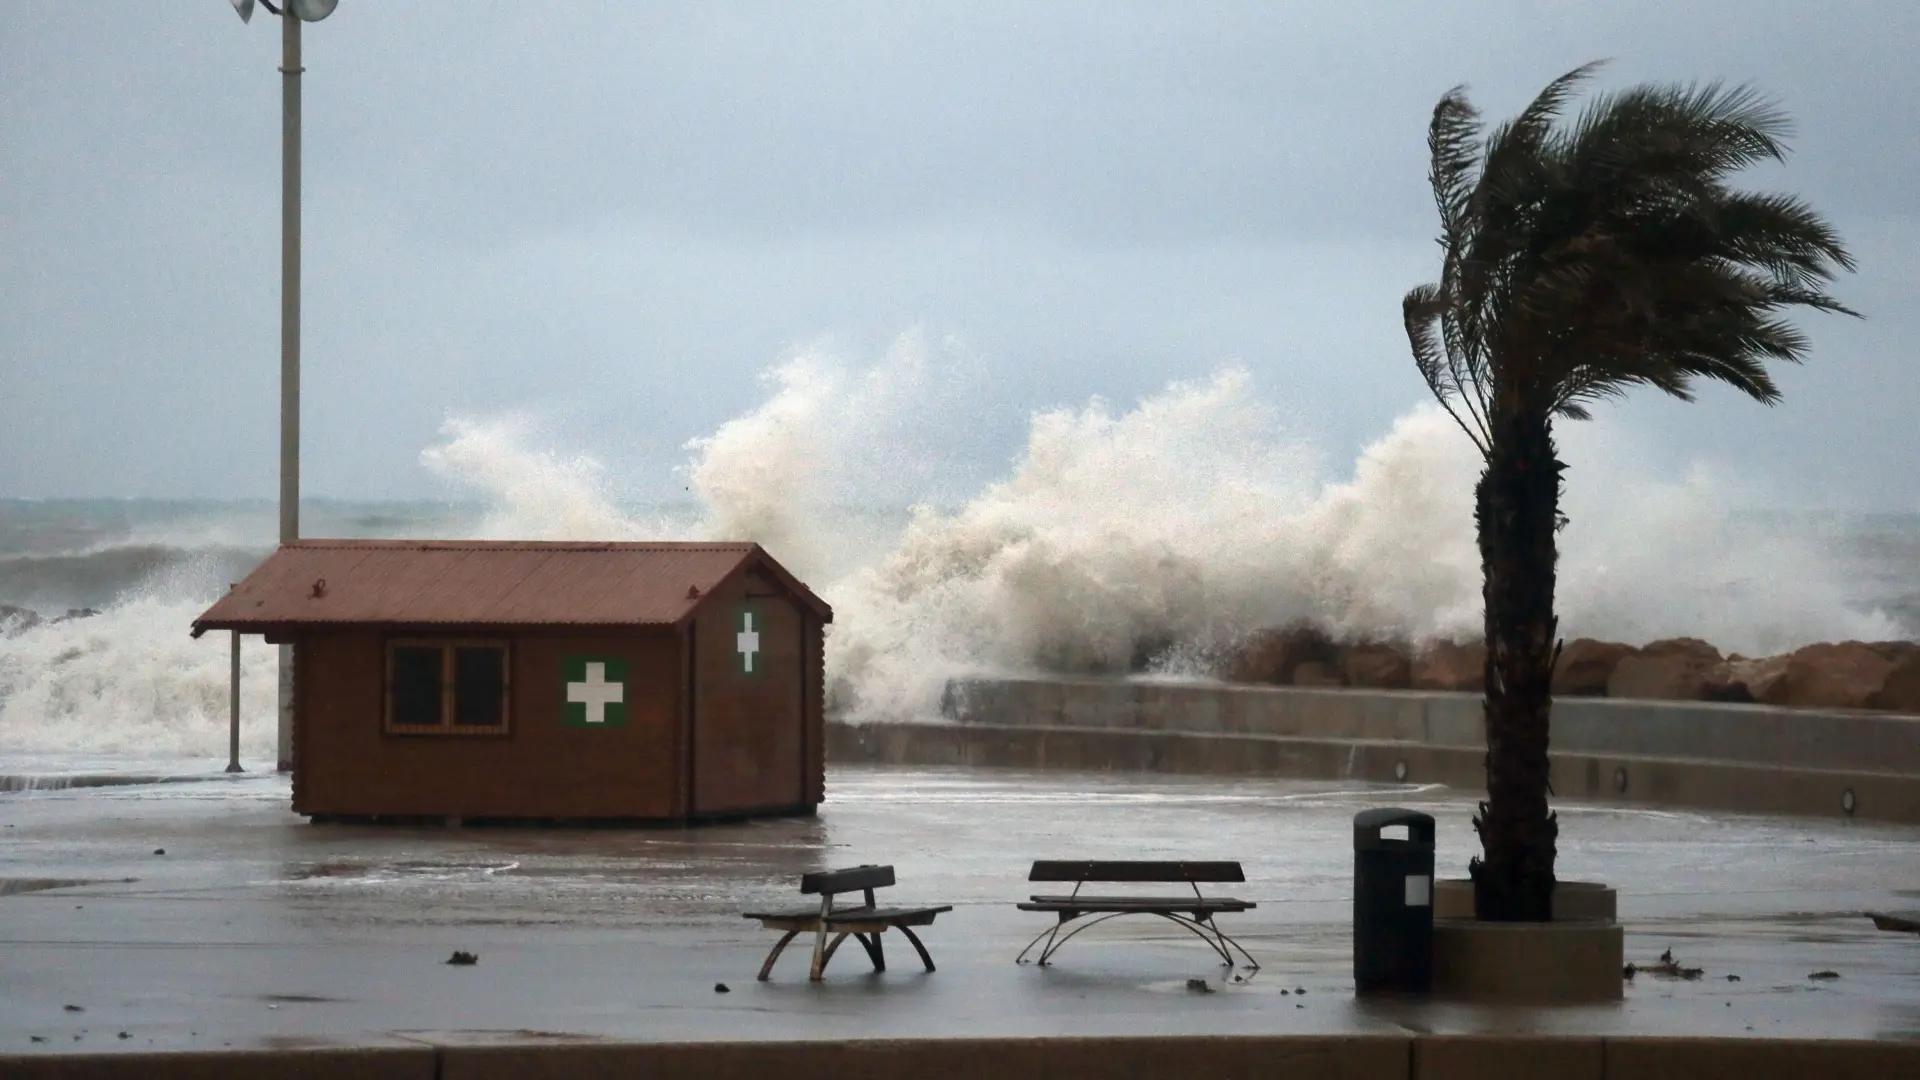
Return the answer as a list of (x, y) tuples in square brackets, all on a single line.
[(1147, 538)]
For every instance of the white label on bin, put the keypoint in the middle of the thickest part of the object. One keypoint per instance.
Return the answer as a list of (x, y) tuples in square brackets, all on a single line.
[(1419, 890)]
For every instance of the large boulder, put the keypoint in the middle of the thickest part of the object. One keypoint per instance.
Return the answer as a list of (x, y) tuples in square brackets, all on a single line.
[(1901, 690), (1896, 651), (1316, 673), (1377, 665), (1846, 675), (1683, 646), (1739, 679), (1272, 656), (1672, 669), (1451, 665), (1586, 665)]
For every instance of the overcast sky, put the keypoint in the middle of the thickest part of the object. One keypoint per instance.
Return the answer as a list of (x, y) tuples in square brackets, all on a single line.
[(612, 216)]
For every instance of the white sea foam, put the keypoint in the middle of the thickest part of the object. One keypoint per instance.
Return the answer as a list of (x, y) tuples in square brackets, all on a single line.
[(130, 681), (1117, 539), (1156, 535), (533, 493)]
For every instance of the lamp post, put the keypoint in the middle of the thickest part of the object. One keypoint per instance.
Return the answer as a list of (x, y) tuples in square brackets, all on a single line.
[(292, 13)]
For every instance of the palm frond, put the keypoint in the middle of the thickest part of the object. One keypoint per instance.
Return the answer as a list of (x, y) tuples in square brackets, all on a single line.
[(1581, 260), (1453, 143), (1514, 160), (1782, 234), (1422, 310)]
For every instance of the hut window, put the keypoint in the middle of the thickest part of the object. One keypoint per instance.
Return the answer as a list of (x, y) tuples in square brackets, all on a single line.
[(479, 686), (416, 687), (451, 687)]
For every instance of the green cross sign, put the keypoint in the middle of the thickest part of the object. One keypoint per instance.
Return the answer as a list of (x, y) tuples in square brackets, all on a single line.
[(596, 691)]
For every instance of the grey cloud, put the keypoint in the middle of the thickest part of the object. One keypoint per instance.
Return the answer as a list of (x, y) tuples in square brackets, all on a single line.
[(615, 214)]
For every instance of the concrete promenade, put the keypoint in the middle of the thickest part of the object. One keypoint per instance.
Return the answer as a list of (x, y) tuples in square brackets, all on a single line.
[(1743, 758), (258, 932)]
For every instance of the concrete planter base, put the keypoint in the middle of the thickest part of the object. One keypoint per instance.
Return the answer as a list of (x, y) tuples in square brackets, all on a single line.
[(1453, 899), (1561, 962)]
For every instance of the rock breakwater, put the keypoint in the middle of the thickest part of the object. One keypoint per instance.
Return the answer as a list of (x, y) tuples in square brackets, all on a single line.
[(1881, 675)]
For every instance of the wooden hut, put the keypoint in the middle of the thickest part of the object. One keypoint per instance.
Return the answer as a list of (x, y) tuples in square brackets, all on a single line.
[(548, 681)]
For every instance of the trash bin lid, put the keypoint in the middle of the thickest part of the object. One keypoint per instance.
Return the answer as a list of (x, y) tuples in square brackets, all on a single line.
[(1368, 823)]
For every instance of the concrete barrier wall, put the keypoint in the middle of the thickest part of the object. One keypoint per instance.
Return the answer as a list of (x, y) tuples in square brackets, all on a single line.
[(1199, 1057), (1324, 1057), (1708, 785), (1756, 734), (417, 1062), (1759, 1059), (1487, 1057)]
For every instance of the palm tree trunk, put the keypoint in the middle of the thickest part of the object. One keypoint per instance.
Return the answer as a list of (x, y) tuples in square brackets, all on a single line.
[(1516, 508)]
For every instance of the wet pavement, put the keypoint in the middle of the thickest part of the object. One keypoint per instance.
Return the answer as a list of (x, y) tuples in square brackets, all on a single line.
[(255, 928)]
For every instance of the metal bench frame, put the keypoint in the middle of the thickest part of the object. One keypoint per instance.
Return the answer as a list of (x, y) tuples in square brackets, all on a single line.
[(864, 923), (1195, 914)]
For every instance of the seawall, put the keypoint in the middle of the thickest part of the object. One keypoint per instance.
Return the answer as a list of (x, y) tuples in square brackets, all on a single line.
[(1742, 758)]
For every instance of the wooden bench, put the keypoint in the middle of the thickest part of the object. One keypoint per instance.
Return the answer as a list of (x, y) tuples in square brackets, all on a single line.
[(866, 922), (1194, 912)]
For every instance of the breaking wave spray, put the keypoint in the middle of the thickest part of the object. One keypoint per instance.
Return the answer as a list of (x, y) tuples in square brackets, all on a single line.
[(1148, 538)]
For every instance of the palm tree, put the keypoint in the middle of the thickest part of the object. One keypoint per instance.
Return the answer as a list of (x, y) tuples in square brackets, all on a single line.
[(1580, 260)]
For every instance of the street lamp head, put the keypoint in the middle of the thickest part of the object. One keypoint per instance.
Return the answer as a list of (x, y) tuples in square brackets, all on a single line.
[(304, 10)]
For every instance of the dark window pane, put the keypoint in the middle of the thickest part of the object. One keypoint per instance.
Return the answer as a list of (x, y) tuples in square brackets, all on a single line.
[(479, 686), (416, 686)]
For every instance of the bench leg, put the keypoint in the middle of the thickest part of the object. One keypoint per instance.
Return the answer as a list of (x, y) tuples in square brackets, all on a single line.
[(823, 953), (766, 969), (1055, 939), (1053, 942), (1049, 933), (1208, 933), (871, 943), (1226, 941), (819, 955), (917, 947), (1052, 939)]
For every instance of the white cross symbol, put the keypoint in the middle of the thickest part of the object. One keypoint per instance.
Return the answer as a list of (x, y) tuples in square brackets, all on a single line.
[(748, 642), (596, 693)]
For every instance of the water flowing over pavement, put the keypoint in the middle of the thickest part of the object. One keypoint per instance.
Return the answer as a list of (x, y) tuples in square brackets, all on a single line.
[(255, 928)]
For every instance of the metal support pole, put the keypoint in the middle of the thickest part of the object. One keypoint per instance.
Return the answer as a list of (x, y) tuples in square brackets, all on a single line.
[(290, 69), (233, 710)]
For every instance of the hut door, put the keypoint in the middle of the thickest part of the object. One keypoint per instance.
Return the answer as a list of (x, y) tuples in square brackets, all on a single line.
[(749, 725)]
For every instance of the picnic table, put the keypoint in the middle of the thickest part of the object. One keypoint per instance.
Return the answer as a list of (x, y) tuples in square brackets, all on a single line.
[(865, 923), (1193, 912)]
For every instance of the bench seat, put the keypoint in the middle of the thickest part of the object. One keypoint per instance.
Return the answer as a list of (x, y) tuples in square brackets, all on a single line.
[(887, 916), (1195, 904)]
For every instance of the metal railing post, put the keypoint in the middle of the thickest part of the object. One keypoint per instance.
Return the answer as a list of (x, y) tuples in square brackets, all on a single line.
[(233, 710)]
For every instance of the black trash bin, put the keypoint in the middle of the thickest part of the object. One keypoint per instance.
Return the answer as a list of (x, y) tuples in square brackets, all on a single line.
[(1392, 902)]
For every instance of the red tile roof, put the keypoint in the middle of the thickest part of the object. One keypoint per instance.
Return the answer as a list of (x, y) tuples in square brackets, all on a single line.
[(494, 583)]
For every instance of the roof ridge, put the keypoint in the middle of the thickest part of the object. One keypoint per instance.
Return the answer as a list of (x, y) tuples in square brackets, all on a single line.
[(512, 582), (526, 545)]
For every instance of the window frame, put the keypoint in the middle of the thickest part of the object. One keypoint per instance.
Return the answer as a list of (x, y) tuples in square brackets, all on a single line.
[(449, 688)]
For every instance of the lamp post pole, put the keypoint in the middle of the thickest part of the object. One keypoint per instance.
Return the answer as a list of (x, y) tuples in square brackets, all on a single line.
[(291, 13), (290, 69)]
